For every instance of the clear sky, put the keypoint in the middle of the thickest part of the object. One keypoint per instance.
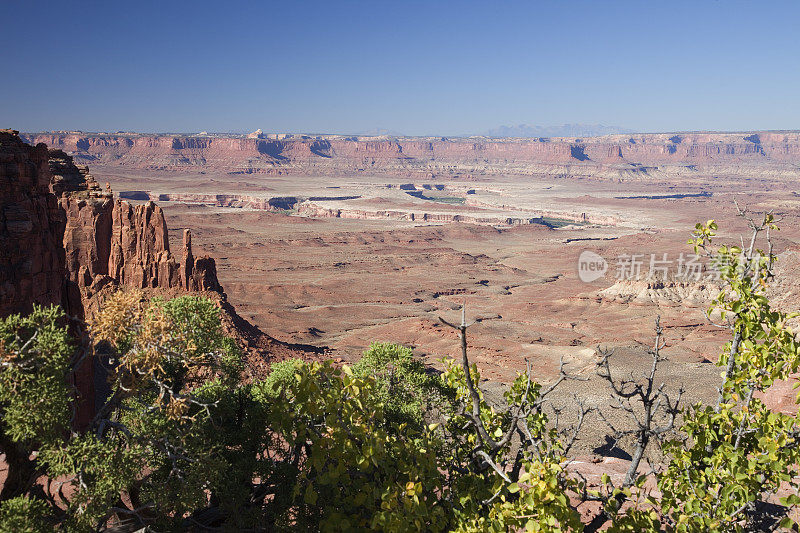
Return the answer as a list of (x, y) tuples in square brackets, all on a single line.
[(431, 67)]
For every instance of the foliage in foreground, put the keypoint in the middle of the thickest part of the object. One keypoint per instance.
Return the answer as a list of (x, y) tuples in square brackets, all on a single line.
[(181, 443)]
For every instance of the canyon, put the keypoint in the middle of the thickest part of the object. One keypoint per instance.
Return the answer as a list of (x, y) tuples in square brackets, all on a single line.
[(325, 244)]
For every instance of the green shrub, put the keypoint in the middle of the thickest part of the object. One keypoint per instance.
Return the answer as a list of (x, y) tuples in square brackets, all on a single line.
[(25, 515), (35, 353), (280, 378), (407, 389)]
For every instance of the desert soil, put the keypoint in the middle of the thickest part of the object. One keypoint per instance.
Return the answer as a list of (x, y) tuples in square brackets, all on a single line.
[(342, 283)]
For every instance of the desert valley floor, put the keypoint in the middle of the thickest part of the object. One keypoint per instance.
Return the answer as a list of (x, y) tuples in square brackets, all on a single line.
[(337, 241), (354, 269)]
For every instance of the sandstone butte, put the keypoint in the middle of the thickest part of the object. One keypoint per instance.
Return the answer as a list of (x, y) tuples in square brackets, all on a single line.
[(66, 241), (609, 156)]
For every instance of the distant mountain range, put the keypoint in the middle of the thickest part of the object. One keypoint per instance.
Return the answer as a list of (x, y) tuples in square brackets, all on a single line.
[(524, 130), (565, 130), (377, 132)]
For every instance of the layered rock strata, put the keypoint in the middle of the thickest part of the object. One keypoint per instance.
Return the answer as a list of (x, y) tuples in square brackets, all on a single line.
[(610, 156)]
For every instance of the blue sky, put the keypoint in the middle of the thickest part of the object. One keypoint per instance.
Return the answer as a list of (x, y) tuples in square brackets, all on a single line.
[(430, 67)]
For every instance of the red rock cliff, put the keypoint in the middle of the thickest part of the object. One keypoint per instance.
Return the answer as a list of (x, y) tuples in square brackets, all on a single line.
[(63, 239), (340, 154), (31, 228), (109, 241)]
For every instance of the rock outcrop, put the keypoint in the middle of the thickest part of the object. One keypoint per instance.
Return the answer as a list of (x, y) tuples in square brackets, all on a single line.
[(112, 242), (659, 291), (63, 240), (197, 274)]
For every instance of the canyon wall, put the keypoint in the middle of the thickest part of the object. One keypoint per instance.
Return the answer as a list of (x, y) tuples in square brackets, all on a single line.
[(32, 265), (63, 240), (439, 155)]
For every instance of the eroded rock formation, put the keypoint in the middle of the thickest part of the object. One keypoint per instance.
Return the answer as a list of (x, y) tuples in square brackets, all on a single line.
[(659, 291), (610, 156), (109, 241), (63, 240)]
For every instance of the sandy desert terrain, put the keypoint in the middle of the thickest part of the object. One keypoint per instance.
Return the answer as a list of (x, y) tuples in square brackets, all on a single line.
[(348, 264)]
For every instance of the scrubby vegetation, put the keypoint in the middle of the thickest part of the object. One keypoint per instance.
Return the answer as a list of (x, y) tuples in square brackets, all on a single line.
[(179, 442)]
